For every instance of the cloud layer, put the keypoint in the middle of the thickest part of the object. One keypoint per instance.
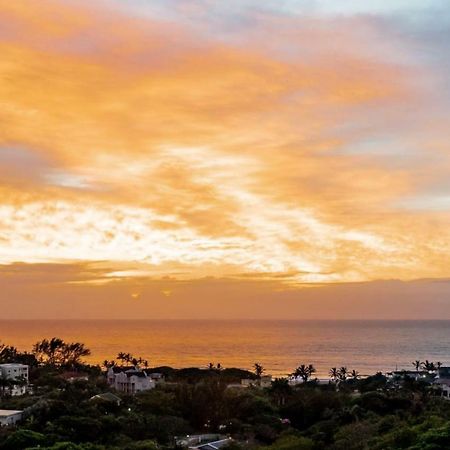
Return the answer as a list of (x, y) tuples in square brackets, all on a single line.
[(287, 147)]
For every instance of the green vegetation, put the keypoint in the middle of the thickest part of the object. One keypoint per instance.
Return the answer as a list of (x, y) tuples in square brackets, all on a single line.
[(350, 413)]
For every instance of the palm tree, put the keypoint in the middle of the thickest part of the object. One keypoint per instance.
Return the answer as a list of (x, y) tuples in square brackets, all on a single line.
[(354, 374), (311, 369), (259, 369), (304, 372), (428, 365), (334, 373), (438, 364), (121, 356), (343, 372), (417, 363)]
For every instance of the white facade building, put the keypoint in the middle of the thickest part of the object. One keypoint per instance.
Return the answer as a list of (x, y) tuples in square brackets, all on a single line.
[(129, 379), (442, 382), (10, 417), (19, 372)]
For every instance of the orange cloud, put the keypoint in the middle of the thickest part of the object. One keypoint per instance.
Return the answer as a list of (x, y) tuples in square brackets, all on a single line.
[(191, 159)]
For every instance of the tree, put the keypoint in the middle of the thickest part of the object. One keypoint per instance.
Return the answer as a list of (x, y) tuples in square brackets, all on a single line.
[(354, 374), (304, 372), (10, 354), (5, 386), (280, 389), (107, 364), (417, 363), (343, 372), (24, 439), (334, 373), (7, 353), (121, 356), (48, 351), (73, 352), (259, 370), (56, 352), (130, 359), (428, 365)]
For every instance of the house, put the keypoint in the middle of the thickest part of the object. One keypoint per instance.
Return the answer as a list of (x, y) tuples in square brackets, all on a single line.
[(129, 379), (72, 376), (107, 397), (417, 375), (19, 372), (157, 377), (196, 441), (443, 372), (10, 417), (265, 381), (215, 445), (442, 382)]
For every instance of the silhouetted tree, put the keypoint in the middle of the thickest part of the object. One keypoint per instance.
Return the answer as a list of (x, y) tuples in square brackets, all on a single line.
[(428, 365), (56, 352), (304, 372), (259, 370), (343, 372), (334, 373), (280, 389)]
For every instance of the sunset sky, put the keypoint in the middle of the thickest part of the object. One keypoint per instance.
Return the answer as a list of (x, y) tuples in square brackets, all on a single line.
[(225, 159)]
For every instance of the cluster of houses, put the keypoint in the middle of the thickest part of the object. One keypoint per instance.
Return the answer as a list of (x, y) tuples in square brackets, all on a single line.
[(133, 379), (438, 379)]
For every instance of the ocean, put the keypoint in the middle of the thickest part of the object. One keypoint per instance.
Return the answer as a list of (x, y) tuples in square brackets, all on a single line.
[(280, 346)]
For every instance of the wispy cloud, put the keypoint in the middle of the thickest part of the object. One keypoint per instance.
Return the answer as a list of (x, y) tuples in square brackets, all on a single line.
[(300, 148)]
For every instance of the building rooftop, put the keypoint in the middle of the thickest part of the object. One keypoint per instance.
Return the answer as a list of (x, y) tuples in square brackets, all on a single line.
[(136, 373), (118, 369), (107, 396), (213, 445), (14, 365), (9, 412)]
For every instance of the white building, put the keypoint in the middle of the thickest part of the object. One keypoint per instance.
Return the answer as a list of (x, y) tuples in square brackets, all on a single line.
[(265, 381), (442, 382), (216, 445), (10, 417), (19, 372), (129, 379)]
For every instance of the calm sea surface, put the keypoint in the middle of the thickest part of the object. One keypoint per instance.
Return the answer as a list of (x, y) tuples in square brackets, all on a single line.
[(279, 346)]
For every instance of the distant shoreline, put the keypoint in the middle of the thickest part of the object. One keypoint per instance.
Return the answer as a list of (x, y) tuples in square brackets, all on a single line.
[(226, 320)]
